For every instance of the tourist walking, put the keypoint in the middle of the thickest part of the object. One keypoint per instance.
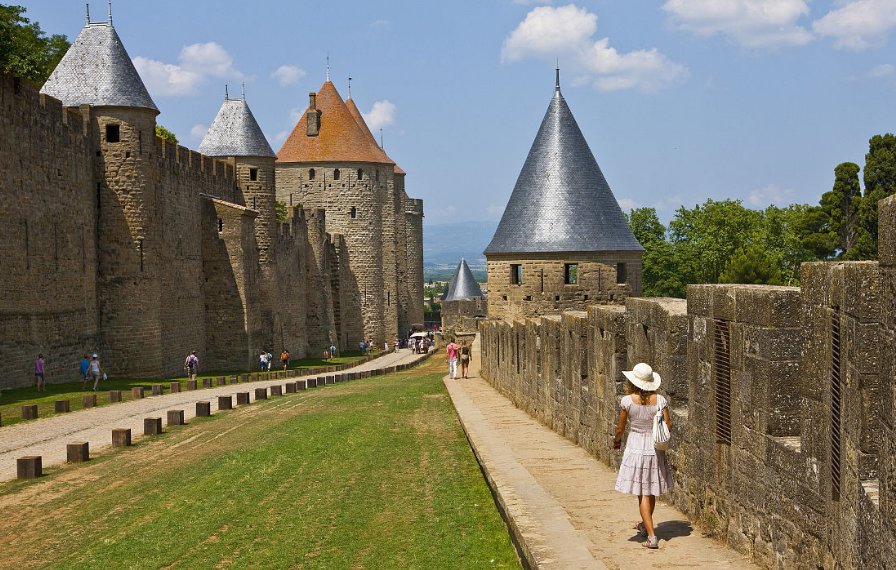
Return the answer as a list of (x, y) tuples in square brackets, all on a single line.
[(284, 359), (452, 350), (191, 365), (465, 357), (39, 372), (268, 359), (95, 371), (85, 371), (643, 471)]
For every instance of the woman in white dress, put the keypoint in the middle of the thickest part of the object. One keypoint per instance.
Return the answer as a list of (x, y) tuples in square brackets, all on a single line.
[(644, 471)]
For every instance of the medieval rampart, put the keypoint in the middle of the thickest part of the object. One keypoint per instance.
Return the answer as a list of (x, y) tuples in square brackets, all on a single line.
[(783, 423)]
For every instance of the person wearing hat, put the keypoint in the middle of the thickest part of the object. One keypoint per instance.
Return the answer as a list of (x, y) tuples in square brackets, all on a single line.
[(95, 371), (643, 471)]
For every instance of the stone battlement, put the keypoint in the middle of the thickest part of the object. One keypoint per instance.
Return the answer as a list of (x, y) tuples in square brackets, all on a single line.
[(174, 156)]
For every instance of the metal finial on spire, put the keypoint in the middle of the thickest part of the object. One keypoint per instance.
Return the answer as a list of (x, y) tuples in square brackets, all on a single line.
[(349, 86), (110, 12), (558, 76), (328, 66), (381, 138), (244, 90), (226, 94), (88, 13)]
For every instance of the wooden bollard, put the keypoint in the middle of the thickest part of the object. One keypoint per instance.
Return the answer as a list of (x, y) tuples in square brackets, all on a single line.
[(175, 417), (331, 379), (174, 387), (78, 452), (158, 390), (62, 406), (152, 426), (261, 394), (225, 402), (290, 387), (191, 384), (276, 390), (255, 376), (137, 392), (242, 398), (311, 382), (203, 409), (244, 378), (29, 467), (222, 381), (114, 396), (321, 381), (29, 412), (206, 382), (121, 437), (88, 401), (290, 373), (301, 384), (234, 379)]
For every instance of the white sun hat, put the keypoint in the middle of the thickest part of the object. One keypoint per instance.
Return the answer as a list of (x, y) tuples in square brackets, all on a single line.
[(643, 376)]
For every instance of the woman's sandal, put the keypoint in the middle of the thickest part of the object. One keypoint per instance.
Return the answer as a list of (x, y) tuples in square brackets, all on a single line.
[(652, 542), (639, 526)]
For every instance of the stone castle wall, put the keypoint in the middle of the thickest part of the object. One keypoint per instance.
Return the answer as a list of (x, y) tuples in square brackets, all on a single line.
[(463, 314), (414, 239), (543, 289), (748, 371)]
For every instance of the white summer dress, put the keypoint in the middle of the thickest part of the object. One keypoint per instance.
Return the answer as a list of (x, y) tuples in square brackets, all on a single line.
[(644, 470)]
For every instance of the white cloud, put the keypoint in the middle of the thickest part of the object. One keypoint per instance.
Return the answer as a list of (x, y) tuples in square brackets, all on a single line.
[(670, 203), (882, 70), (771, 194), (196, 63), (198, 132), (382, 114), (288, 74), (567, 32), (858, 24), (750, 23), (628, 204), (495, 211), (378, 23), (281, 137)]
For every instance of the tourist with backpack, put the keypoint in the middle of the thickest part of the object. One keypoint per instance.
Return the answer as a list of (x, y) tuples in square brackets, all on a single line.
[(191, 365)]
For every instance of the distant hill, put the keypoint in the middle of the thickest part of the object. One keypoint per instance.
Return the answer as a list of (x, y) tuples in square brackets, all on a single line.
[(445, 244)]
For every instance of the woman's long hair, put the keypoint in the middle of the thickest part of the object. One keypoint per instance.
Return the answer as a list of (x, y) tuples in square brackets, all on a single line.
[(643, 394)]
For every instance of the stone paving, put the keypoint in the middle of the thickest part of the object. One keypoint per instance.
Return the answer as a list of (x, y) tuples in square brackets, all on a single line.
[(561, 503), (48, 437)]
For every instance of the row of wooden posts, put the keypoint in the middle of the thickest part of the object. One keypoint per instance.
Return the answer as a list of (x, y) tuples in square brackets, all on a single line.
[(30, 467), (29, 412)]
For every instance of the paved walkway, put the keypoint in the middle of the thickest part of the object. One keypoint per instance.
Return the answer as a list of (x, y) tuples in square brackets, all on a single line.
[(48, 437), (561, 502)]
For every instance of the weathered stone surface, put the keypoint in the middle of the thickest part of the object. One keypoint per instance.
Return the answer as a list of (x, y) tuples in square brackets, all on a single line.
[(121, 437), (78, 452), (152, 426), (203, 409), (175, 417)]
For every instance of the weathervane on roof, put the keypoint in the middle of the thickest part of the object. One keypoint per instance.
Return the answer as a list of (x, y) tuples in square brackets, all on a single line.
[(349, 86), (244, 90), (558, 75), (328, 66), (88, 13), (226, 94), (110, 12), (381, 138)]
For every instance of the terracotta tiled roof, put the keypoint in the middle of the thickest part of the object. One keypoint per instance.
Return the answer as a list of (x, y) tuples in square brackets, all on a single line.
[(340, 138), (399, 170)]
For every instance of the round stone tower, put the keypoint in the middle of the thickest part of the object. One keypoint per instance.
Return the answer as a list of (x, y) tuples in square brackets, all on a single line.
[(563, 242), (97, 76)]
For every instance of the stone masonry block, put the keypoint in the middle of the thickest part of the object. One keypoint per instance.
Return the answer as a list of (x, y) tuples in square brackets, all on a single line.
[(242, 398), (203, 409), (121, 437), (29, 412), (152, 426), (114, 396), (29, 467), (861, 290), (886, 231), (78, 452), (225, 402), (62, 406), (175, 417)]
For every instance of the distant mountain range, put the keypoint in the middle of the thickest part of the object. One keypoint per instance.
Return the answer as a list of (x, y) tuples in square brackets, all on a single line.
[(445, 244)]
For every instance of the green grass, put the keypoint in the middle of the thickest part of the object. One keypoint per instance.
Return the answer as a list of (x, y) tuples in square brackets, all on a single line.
[(12, 400), (372, 474)]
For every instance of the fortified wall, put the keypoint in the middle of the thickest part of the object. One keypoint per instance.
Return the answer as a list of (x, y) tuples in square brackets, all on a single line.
[(782, 399)]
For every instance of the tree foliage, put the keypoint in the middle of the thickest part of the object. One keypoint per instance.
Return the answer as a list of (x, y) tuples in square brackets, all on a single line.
[(165, 134), (25, 50)]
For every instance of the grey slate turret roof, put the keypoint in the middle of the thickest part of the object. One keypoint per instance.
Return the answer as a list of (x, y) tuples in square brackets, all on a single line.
[(235, 132), (97, 70), (462, 285), (561, 201)]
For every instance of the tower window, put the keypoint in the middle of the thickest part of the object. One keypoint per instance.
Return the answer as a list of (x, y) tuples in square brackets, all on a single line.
[(113, 134), (360, 174), (310, 174), (336, 174), (621, 273), (516, 274), (571, 273), (220, 225), (377, 175), (253, 174), (354, 212)]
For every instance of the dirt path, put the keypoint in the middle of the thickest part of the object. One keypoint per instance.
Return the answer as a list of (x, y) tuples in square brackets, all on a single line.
[(48, 437), (561, 501)]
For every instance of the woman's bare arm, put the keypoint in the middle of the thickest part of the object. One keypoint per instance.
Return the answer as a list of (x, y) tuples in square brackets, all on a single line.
[(620, 429)]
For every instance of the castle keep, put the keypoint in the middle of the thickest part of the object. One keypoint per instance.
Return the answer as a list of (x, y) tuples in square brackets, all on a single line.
[(117, 242)]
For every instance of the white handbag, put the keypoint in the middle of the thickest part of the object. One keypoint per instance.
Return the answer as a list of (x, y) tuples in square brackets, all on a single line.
[(661, 435)]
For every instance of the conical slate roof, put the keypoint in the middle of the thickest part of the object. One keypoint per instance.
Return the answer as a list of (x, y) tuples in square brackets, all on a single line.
[(235, 132), (464, 285), (97, 70), (450, 286), (561, 201), (340, 138)]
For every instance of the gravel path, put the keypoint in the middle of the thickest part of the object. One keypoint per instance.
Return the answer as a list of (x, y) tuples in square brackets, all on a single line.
[(48, 437)]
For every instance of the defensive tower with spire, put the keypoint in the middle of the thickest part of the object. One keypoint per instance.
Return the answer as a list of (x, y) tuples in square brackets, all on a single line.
[(563, 242)]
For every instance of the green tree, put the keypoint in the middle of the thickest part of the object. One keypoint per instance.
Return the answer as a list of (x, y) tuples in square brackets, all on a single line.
[(753, 265), (165, 134), (660, 274), (841, 206), (25, 50), (880, 182), (282, 213)]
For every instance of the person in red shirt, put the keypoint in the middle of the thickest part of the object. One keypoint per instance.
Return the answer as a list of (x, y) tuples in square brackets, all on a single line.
[(452, 349)]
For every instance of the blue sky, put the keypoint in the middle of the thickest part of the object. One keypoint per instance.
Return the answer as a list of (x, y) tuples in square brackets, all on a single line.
[(680, 100)]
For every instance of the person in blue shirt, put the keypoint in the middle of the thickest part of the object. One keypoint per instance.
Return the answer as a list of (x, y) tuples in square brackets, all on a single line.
[(85, 375)]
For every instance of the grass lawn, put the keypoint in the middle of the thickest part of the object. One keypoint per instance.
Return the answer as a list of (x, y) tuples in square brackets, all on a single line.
[(12, 400), (373, 473)]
